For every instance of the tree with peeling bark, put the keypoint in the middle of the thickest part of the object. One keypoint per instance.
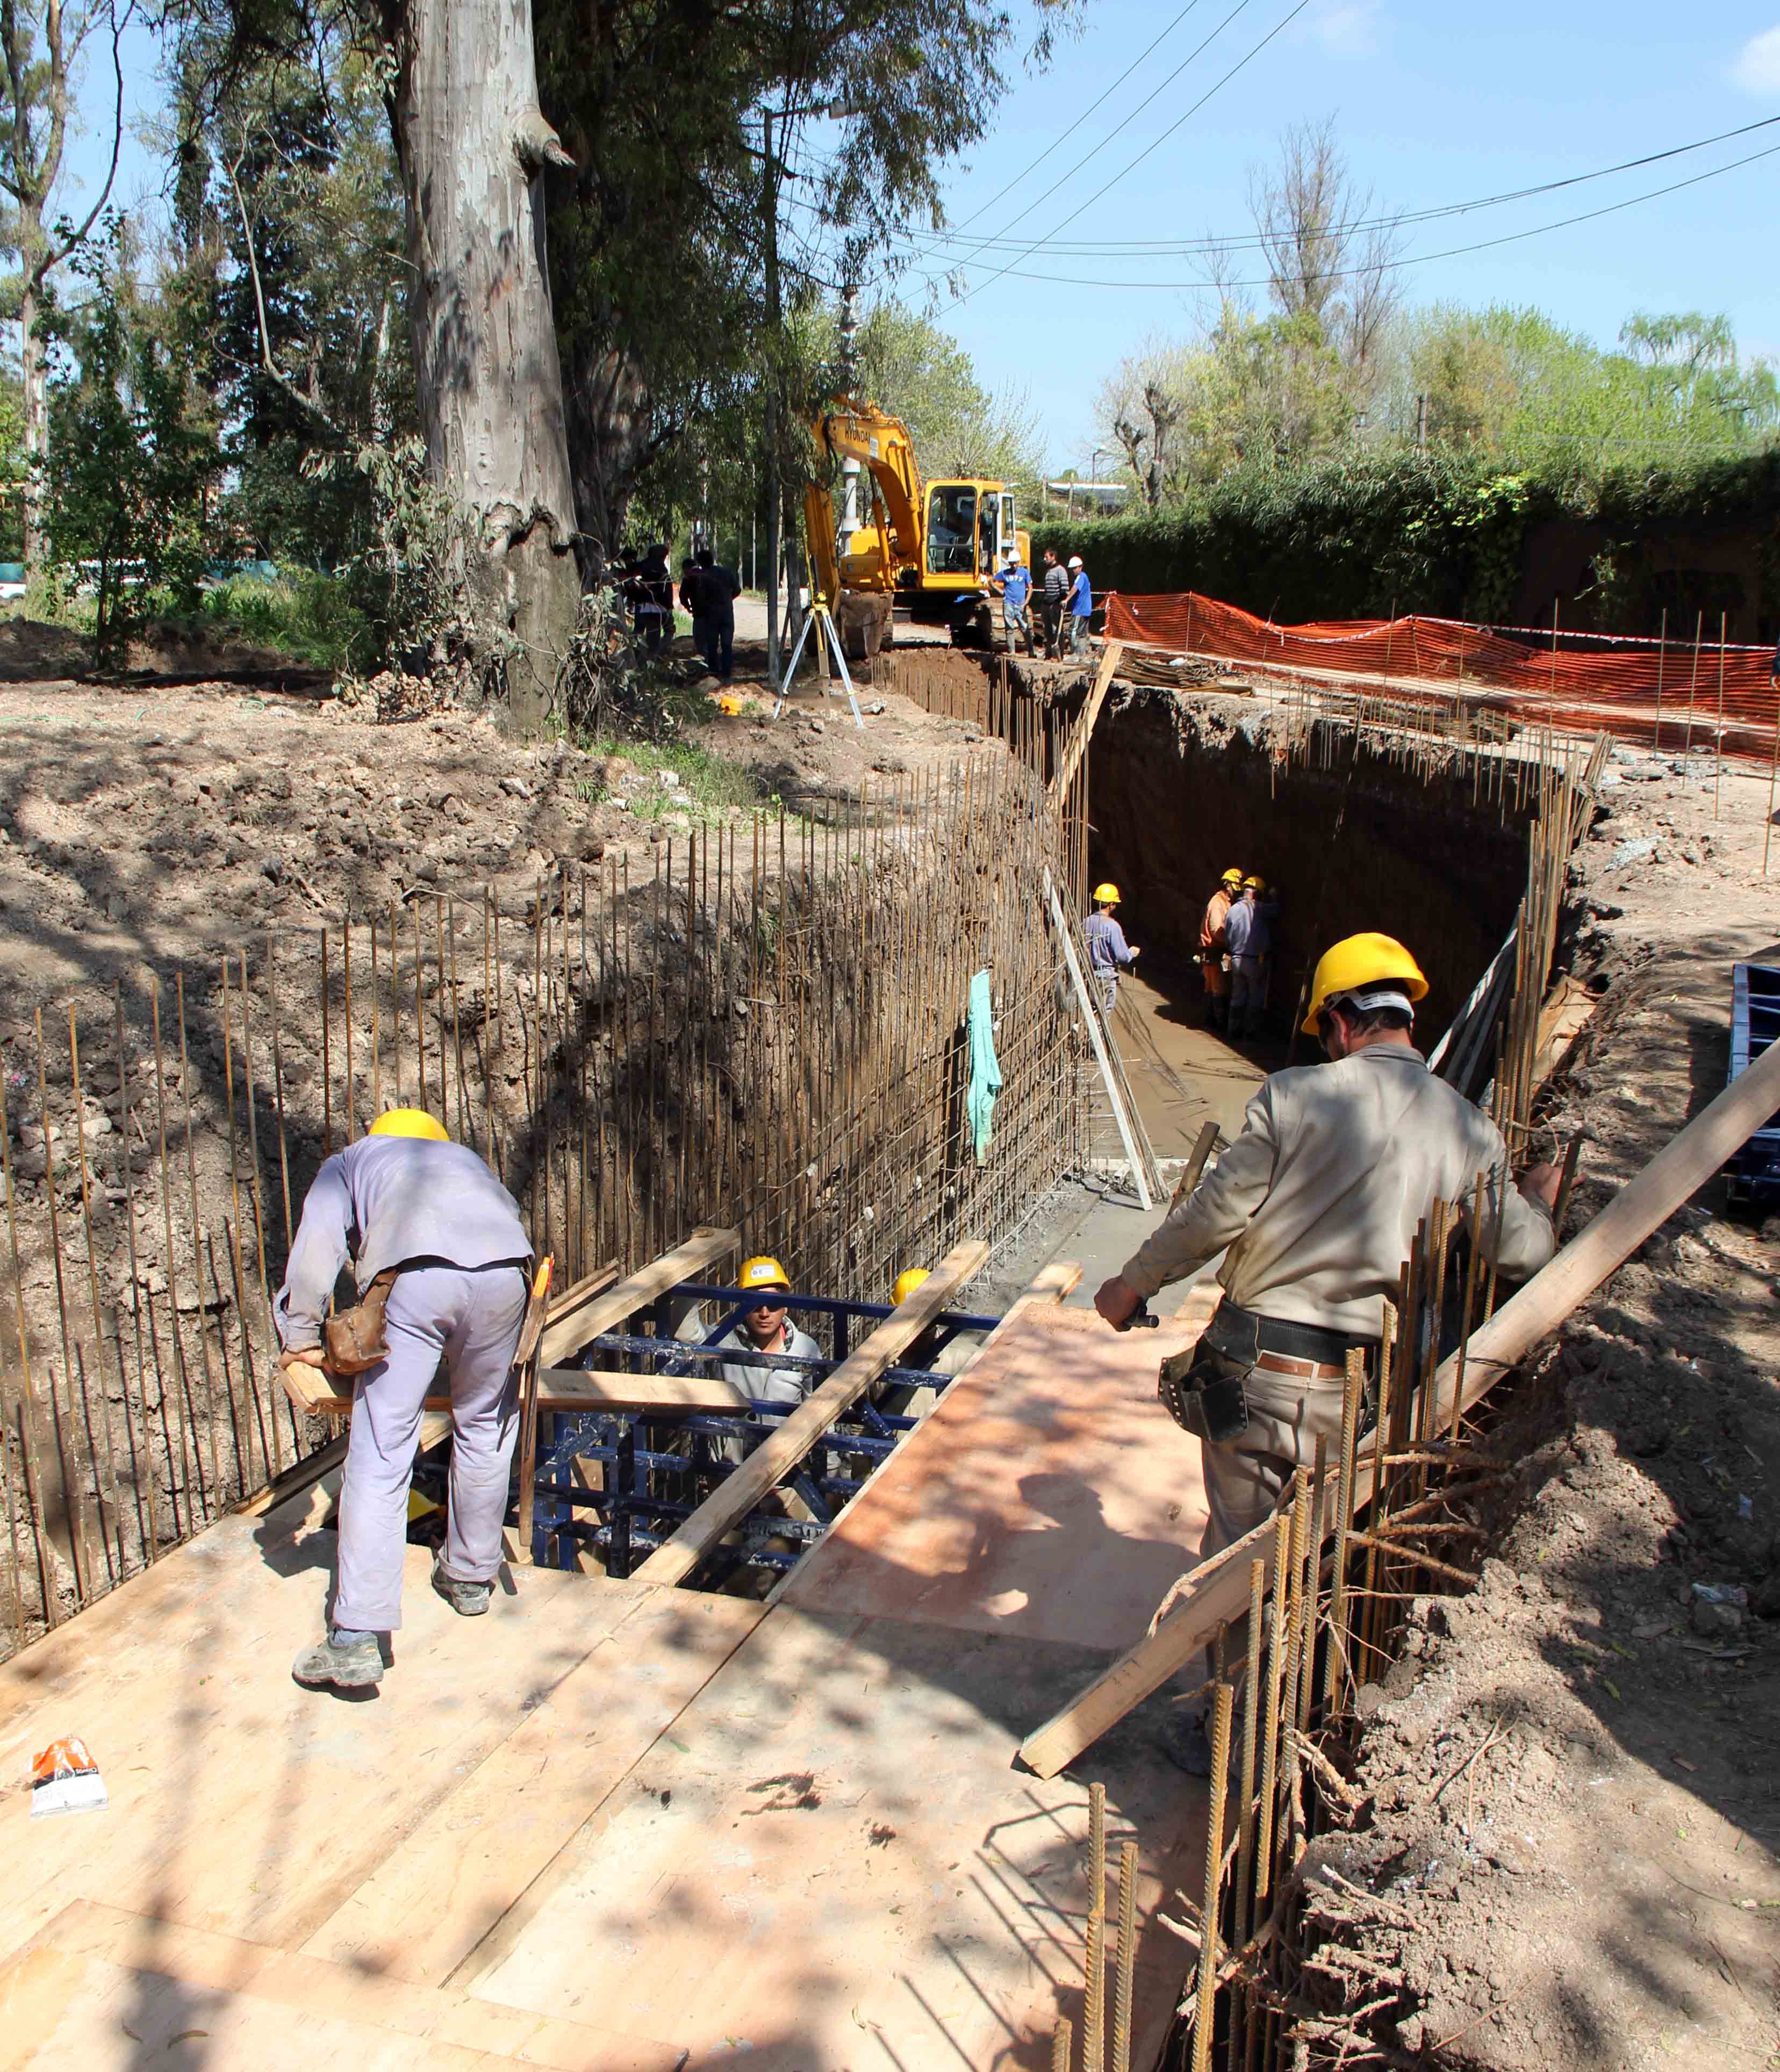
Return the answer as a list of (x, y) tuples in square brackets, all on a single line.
[(43, 43)]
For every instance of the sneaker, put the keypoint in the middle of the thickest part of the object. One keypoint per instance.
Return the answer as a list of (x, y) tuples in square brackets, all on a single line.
[(1185, 1744), (469, 1600), (349, 1665)]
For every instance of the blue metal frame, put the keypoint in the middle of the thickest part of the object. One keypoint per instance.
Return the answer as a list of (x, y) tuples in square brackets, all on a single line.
[(1754, 1173), (650, 1489)]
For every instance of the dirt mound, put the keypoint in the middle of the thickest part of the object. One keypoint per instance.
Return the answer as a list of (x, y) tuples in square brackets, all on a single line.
[(33, 651)]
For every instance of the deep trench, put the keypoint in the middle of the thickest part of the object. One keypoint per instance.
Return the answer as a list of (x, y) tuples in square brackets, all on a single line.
[(1351, 836)]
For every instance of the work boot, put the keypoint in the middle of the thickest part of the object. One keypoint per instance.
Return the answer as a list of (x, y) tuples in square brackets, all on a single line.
[(1184, 1742), (469, 1600), (350, 1661)]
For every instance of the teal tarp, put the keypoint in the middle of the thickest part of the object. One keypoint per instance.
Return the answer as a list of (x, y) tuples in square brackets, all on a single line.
[(985, 1071)]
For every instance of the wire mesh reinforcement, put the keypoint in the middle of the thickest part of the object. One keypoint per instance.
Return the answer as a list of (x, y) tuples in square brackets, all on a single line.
[(765, 1026)]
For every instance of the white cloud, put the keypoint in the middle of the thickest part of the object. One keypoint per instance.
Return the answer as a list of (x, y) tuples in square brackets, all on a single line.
[(1757, 71), (1347, 28)]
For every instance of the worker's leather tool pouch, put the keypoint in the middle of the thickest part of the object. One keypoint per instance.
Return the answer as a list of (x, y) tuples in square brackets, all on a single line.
[(1202, 1389), (353, 1339)]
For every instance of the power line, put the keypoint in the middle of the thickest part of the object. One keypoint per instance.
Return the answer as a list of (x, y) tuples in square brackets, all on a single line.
[(1026, 172), (1159, 248), (1415, 259), (1131, 117), (1179, 123)]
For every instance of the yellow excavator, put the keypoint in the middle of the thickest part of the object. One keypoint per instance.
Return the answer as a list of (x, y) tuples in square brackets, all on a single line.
[(931, 547)]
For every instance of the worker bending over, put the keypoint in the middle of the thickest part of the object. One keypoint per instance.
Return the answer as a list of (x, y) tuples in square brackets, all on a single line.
[(406, 1201), (1214, 948), (1249, 936), (1318, 1201), (1106, 947)]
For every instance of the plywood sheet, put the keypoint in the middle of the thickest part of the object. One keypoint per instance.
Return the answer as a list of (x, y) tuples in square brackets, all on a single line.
[(1049, 1495), (830, 1861), (99, 1988), (244, 1805)]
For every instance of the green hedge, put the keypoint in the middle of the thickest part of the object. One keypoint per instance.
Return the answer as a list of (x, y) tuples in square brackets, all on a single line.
[(1435, 532)]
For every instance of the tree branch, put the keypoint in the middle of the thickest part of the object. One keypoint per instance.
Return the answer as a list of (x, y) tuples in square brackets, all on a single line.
[(79, 236), (268, 364)]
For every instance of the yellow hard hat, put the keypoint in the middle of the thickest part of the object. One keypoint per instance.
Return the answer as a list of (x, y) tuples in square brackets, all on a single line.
[(764, 1271), (906, 1282), (1259, 884), (410, 1122), (1232, 876), (1106, 894), (1356, 963)]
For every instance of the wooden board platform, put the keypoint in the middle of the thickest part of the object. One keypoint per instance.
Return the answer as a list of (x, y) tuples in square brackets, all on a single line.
[(617, 1827), (1049, 1495)]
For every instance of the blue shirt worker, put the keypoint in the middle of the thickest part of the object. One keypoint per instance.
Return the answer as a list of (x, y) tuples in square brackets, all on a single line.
[(1015, 584), (1106, 947), (408, 1208), (1249, 935), (1081, 607)]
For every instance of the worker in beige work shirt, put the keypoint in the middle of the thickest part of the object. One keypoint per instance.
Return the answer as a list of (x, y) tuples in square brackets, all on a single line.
[(1317, 1203)]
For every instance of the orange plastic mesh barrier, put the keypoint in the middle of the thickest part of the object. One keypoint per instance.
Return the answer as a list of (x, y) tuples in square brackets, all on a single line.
[(1587, 681)]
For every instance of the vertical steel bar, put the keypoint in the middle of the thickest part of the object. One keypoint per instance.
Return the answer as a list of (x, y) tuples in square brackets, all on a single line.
[(1210, 1907)]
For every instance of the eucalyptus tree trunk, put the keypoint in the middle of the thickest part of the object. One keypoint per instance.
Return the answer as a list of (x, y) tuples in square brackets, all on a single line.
[(472, 144)]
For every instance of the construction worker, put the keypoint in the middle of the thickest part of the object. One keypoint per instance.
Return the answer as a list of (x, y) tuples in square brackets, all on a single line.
[(1315, 1207), (767, 1327), (927, 1350), (1014, 581), (1079, 613), (1213, 948), (404, 1200), (1107, 947), (1056, 596), (1248, 938)]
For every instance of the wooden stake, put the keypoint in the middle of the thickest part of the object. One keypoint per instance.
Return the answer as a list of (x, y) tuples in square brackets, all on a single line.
[(1718, 738)]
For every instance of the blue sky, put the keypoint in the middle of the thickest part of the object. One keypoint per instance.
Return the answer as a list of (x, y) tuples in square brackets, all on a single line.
[(1436, 103)]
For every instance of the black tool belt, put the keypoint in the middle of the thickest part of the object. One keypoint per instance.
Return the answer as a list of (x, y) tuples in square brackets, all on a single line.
[(1203, 1388)]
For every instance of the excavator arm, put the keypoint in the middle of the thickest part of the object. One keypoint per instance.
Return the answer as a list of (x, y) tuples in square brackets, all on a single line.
[(855, 430)]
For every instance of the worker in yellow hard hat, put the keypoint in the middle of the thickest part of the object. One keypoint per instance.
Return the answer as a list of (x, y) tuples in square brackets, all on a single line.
[(1108, 951), (442, 1263), (1213, 953), (766, 1329), (1315, 1207), (410, 1122), (1248, 942), (939, 1349)]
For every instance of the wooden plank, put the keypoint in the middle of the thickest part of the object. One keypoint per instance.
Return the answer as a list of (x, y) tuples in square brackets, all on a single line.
[(425, 1908), (1076, 747), (675, 1559), (568, 1389), (1218, 1591), (1090, 1015), (831, 1858), (708, 1244), (63, 1994)]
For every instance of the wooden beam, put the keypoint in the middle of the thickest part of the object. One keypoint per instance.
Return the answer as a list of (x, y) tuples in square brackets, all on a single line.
[(675, 1559), (1075, 748), (564, 1338), (1217, 1592), (569, 1390)]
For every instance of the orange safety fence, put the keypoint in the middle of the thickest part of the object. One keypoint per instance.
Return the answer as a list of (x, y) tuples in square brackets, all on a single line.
[(1666, 693)]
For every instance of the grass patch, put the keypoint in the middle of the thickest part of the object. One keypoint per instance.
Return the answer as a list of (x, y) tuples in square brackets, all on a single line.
[(710, 789), (301, 613)]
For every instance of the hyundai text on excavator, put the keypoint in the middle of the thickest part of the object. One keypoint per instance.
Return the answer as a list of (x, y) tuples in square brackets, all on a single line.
[(931, 547)]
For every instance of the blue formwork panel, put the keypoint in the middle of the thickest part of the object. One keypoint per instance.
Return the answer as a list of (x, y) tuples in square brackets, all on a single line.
[(1754, 1172)]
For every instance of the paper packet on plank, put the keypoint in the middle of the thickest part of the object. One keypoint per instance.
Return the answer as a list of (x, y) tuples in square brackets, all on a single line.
[(65, 1779)]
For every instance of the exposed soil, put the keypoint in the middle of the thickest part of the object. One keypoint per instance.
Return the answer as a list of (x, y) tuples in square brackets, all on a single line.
[(144, 827), (1574, 1794)]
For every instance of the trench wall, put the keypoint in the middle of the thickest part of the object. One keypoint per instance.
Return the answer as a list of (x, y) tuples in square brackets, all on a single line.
[(1353, 835)]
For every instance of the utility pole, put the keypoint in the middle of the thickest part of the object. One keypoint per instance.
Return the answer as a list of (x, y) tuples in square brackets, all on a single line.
[(770, 204), (1421, 424)]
